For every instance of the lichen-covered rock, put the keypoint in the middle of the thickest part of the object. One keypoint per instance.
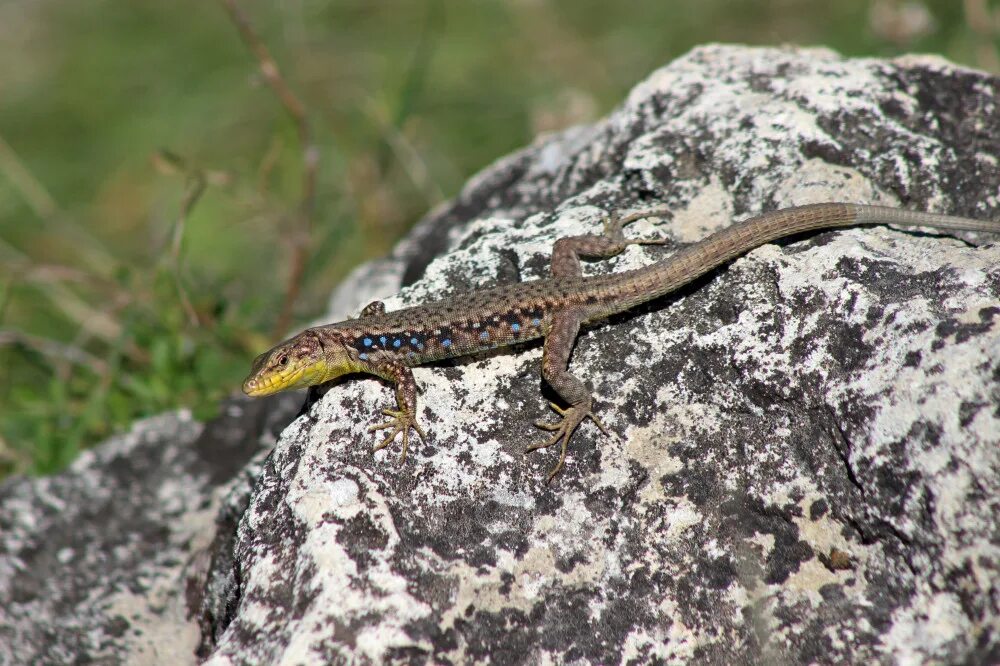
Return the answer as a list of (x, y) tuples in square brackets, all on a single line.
[(105, 562), (804, 463)]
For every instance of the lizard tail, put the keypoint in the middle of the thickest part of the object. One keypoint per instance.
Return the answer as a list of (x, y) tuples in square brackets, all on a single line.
[(912, 218), (688, 264)]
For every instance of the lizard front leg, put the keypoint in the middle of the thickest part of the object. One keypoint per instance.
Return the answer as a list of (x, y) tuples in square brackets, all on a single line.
[(559, 342), (405, 417)]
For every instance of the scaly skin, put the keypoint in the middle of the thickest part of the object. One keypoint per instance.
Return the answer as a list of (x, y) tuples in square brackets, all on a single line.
[(388, 344)]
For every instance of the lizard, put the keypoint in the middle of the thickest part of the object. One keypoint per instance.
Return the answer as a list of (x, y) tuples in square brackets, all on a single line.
[(389, 344)]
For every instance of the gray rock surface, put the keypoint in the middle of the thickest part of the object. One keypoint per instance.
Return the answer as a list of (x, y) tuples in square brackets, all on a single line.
[(805, 461), (105, 562), (805, 455)]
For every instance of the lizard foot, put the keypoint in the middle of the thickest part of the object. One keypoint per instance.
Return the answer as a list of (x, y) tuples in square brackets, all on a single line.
[(572, 417), (401, 422), (615, 224)]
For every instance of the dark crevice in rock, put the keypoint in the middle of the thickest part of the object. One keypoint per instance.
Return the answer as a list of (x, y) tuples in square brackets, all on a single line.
[(844, 449)]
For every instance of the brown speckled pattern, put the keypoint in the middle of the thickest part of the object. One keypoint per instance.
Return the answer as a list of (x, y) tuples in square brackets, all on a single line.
[(472, 322)]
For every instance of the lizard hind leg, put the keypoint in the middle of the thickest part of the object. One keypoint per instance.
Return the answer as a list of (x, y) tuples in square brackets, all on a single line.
[(559, 342), (566, 252), (615, 224)]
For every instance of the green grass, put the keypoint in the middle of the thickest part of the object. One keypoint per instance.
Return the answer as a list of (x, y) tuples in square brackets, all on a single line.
[(406, 99)]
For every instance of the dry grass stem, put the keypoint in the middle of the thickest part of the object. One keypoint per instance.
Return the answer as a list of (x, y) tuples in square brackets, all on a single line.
[(299, 236), (54, 350)]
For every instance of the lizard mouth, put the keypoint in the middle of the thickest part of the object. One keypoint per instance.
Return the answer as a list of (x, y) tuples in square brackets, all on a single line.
[(256, 386)]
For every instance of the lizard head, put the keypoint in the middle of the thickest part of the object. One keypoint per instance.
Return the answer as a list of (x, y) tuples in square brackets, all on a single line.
[(305, 360)]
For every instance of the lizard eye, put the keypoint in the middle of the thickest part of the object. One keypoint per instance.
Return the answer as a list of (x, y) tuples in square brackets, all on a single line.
[(283, 360)]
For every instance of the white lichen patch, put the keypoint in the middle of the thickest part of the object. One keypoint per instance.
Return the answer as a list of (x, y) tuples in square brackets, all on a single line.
[(149, 615), (710, 210), (534, 572), (670, 641), (928, 631), (816, 181)]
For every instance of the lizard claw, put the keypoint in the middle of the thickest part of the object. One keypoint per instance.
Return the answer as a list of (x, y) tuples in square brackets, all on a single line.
[(545, 425), (614, 225), (597, 422), (572, 417), (401, 422)]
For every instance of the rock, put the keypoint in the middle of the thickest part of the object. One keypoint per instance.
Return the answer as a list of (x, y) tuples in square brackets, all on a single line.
[(104, 562), (804, 463)]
